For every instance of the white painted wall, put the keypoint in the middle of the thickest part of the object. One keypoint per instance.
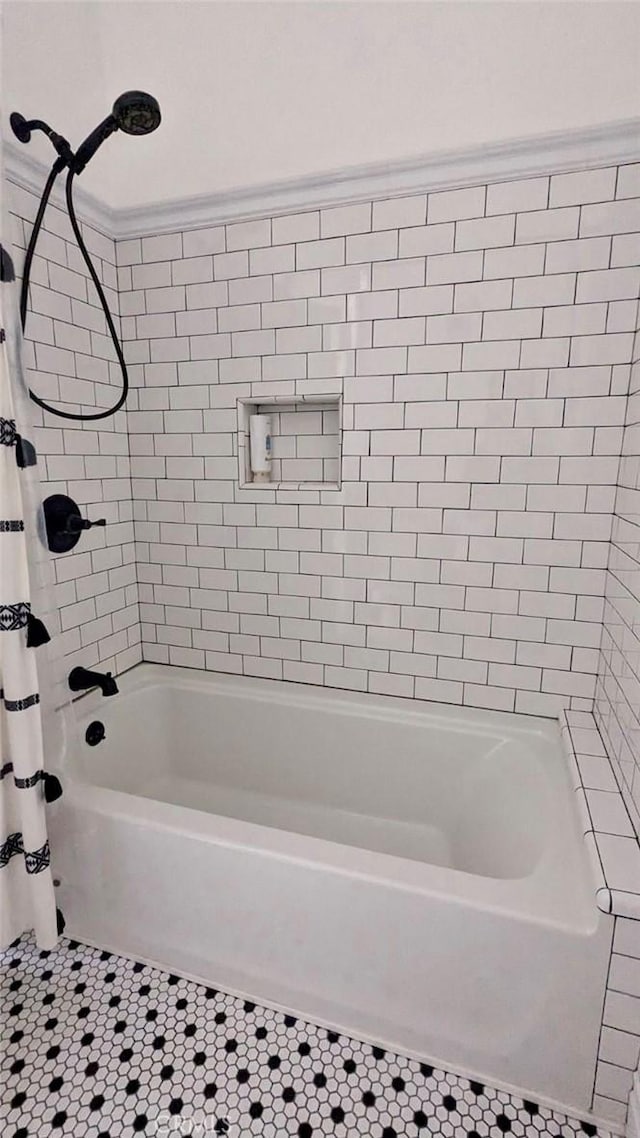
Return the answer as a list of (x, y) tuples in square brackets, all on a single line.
[(256, 92), (52, 67)]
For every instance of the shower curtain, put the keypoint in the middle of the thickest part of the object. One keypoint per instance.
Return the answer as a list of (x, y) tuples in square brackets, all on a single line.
[(26, 886)]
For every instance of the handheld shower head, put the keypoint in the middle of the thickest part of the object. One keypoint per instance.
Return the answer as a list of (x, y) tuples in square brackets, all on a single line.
[(134, 112)]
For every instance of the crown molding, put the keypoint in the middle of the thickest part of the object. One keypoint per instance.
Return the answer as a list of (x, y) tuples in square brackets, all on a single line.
[(30, 173), (560, 152)]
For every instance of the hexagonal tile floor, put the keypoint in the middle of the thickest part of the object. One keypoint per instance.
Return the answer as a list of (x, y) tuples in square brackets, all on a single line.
[(97, 1046)]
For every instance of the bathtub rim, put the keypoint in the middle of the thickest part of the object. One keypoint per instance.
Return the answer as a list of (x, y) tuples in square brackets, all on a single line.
[(301, 694)]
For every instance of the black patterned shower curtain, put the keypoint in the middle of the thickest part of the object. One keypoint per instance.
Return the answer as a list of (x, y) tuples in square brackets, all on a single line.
[(26, 886)]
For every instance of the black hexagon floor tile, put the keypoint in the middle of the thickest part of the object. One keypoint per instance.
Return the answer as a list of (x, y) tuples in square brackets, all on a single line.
[(98, 1046)]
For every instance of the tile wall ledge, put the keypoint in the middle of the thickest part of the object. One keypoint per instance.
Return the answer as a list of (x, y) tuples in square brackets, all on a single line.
[(580, 148), (612, 845)]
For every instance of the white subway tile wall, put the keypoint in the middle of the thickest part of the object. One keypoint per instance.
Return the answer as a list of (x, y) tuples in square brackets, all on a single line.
[(613, 851), (482, 339), (617, 702), (619, 1051), (70, 362)]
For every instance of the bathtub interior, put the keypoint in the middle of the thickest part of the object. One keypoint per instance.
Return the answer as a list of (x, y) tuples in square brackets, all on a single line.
[(464, 792)]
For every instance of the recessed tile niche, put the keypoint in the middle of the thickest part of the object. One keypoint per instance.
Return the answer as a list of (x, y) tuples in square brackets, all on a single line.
[(306, 441)]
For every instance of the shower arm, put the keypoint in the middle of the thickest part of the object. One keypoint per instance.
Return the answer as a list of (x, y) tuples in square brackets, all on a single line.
[(134, 112), (23, 128)]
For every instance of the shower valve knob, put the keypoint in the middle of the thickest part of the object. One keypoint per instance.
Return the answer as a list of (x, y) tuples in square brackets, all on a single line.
[(64, 523)]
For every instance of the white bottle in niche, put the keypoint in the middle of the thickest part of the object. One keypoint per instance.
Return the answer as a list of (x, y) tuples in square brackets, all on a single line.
[(260, 447)]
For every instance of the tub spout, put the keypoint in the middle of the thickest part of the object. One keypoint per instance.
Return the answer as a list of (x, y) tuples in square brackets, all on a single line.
[(81, 678)]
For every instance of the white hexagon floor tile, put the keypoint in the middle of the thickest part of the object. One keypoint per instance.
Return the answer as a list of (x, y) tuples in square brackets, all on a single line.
[(98, 1046)]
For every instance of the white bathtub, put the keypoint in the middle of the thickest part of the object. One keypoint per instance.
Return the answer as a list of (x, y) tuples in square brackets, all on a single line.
[(405, 872)]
